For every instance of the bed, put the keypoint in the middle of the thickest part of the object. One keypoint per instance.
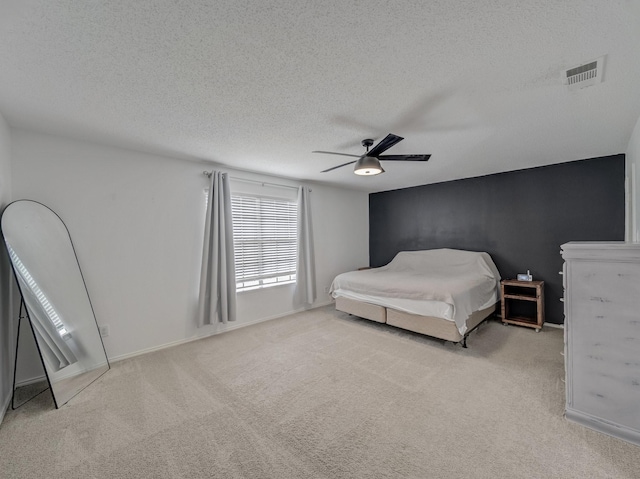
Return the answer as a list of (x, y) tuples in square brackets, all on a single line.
[(444, 293)]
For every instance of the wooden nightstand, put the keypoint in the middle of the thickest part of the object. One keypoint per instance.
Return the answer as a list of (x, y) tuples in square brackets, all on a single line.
[(532, 291)]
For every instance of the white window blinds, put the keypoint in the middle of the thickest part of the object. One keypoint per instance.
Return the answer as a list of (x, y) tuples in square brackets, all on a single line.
[(264, 236)]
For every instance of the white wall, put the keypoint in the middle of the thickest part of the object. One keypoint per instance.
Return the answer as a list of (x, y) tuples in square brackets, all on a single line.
[(633, 178), (6, 278), (137, 223)]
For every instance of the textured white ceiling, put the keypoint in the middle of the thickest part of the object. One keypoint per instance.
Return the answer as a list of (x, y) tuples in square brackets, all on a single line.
[(258, 85)]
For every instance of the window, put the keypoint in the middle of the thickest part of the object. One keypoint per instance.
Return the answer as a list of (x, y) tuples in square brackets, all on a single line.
[(265, 241)]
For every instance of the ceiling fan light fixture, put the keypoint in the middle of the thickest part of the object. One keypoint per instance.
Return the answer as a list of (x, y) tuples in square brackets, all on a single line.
[(368, 166)]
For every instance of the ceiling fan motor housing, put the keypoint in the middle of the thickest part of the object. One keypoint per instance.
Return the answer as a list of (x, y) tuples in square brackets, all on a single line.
[(368, 166)]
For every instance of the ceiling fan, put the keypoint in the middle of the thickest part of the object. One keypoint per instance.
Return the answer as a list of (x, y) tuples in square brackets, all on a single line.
[(369, 163)]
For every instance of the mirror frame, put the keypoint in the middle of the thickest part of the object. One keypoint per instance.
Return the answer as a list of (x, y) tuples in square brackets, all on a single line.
[(57, 401)]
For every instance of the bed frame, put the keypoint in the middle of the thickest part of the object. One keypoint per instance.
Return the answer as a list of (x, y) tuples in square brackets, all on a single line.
[(428, 325)]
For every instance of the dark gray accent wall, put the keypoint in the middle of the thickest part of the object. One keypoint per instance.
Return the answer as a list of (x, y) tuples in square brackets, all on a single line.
[(520, 218)]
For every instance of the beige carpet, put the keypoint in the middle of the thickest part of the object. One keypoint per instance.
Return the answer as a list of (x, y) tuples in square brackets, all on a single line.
[(321, 395)]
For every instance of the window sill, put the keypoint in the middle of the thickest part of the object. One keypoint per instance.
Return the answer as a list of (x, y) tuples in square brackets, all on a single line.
[(262, 288)]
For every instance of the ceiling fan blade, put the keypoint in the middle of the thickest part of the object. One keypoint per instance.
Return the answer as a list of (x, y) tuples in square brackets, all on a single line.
[(384, 145), (404, 157), (334, 153), (339, 166)]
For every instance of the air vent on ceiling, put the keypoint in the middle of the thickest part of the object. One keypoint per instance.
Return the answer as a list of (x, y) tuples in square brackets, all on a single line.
[(584, 75)]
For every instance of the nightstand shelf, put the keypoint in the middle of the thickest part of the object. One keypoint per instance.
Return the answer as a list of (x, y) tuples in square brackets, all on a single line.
[(529, 291)]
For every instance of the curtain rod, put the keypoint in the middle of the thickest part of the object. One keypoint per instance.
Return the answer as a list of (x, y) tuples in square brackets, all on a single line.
[(263, 183)]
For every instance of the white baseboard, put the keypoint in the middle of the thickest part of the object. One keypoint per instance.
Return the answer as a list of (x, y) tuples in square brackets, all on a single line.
[(5, 406), (554, 325), (230, 327), (27, 382)]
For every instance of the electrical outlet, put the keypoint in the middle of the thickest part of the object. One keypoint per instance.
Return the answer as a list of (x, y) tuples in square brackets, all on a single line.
[(104, 330)]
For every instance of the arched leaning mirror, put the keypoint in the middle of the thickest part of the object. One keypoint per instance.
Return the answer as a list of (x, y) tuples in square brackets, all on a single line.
[(56, 298)]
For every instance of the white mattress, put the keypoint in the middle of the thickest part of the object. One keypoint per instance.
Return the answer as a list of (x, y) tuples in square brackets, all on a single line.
[(444, 283)]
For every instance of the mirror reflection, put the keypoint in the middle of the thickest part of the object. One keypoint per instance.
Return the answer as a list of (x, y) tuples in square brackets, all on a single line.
[(56, 299)]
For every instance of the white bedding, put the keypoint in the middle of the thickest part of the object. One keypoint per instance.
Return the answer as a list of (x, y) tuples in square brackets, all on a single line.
[(444, 283)]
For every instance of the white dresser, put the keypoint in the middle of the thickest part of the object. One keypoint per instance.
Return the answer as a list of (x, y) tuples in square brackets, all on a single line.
[(602, 336)]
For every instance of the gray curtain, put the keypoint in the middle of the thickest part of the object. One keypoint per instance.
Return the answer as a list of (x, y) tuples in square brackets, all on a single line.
[(306, 272), (217, 301)]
